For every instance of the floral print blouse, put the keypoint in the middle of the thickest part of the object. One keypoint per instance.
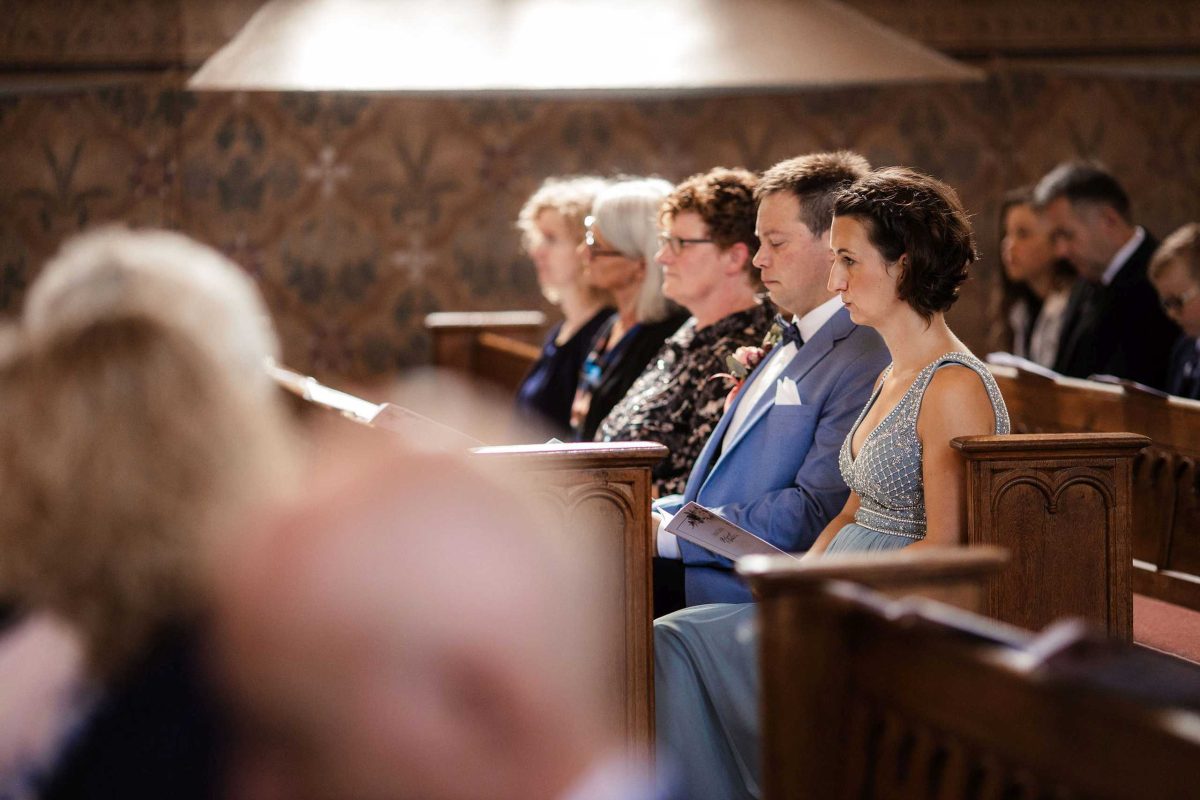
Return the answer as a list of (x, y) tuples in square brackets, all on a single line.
[(676, 401)]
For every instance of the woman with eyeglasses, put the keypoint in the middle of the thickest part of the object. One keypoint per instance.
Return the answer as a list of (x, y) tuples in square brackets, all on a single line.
[(706, 247), (619, 250), (551, 225)]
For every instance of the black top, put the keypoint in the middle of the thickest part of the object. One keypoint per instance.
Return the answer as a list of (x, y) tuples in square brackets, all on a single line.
[(546, 393), (629, 357), (1119, 329), (156, 733)]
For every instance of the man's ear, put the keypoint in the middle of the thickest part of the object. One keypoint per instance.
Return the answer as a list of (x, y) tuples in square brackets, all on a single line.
[(1111, 218)]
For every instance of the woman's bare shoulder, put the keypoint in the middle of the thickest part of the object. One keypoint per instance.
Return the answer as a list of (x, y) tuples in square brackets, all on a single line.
[(957, 401)]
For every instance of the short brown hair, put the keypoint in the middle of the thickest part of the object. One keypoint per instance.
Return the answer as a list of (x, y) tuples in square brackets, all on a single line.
[(724, 199), (1182, 246), (911, 214), (1082, 182), (814, 180)]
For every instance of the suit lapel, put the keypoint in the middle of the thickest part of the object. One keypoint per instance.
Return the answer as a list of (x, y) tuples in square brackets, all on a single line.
[(710, 454), (811, 354)]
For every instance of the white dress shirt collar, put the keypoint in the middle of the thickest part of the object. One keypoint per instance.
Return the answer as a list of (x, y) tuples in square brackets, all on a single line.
[(813, 321), (1121, 256)]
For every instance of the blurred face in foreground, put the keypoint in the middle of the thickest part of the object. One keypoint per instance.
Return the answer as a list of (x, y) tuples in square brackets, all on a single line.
[(381, 647)]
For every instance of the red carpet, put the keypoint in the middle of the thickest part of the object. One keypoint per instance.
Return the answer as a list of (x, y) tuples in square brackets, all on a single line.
[(1169, 628)]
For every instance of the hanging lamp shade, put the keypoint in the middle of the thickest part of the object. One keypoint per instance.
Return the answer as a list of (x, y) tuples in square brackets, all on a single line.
[(566, 45)]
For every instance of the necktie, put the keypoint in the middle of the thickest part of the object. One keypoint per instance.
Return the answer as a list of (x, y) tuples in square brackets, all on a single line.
[(789, 331)]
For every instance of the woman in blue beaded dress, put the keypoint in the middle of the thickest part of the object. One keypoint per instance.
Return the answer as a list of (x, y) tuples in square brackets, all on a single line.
[(901, 246)]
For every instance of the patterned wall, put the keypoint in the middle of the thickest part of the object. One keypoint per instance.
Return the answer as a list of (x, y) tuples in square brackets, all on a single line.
[(1034, 27), (360, 213)]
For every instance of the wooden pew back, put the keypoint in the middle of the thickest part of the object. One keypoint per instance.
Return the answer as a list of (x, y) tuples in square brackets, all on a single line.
[(868, 698), (1166, 480), (1061, 504), (498, 347), (784, 588), (603, 491)]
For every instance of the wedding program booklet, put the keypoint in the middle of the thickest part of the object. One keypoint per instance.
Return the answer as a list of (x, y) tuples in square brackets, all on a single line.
[(711, 531)]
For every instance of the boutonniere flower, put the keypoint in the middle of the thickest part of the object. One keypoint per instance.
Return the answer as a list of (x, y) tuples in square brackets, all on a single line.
[(745, 359)]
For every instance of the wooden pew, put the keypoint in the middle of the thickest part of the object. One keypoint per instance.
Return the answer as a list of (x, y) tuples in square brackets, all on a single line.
[(604, 490), (598, 490), (1061, 504), (498, 347), (869, 698), (1166, 480)]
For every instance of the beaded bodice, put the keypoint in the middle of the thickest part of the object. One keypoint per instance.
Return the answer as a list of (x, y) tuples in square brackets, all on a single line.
[(886, 473)]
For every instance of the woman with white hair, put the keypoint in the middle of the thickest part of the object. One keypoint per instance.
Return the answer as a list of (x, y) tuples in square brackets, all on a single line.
[(619, 249)]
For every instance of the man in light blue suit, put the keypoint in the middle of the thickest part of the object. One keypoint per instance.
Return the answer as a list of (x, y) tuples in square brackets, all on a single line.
[(771, 464)]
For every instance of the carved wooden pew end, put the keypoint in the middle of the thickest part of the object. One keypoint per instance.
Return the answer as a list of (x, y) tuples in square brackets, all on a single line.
[(603, 491), (1062, 505)]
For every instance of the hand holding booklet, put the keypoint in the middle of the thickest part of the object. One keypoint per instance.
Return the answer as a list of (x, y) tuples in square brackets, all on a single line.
[(709, 530)]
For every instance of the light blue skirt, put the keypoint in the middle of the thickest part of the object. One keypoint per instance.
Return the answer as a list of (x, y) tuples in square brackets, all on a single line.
[(854, 538), (706, 688)]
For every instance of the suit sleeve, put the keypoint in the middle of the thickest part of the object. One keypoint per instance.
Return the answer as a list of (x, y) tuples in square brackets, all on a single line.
[(791, 518), (670, 503)]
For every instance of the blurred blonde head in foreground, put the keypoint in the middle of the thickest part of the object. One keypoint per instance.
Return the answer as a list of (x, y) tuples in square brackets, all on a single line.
[(130, 435), (416, 627), (113, 271)]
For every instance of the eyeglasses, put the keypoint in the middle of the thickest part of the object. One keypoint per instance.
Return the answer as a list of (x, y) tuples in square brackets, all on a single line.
[(677, 243), (1173, 304), (589, 241)]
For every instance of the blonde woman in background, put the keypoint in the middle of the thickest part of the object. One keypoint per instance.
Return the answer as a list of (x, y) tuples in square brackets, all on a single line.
[(552, 229)]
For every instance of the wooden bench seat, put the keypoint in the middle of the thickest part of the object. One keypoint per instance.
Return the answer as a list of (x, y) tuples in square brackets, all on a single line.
[(1061, 504)]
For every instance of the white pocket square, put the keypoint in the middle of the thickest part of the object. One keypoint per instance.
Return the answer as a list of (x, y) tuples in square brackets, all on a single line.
[(786, 393)]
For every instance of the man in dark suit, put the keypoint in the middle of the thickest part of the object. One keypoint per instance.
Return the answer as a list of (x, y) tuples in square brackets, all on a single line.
[(1175, 270), (771, 464), (1114, 324)]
